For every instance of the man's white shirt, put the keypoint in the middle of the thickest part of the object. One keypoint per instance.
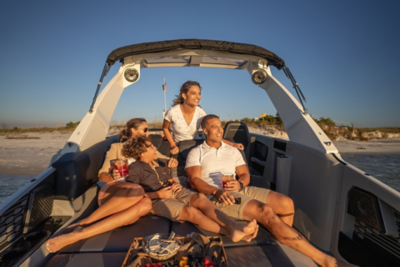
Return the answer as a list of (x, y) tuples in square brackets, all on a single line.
[(215, 162)]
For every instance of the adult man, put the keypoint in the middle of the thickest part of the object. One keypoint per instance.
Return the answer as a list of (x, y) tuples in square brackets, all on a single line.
[(205, 165)]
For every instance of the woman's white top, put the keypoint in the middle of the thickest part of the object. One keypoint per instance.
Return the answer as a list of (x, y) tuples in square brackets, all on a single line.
[(181, 130)]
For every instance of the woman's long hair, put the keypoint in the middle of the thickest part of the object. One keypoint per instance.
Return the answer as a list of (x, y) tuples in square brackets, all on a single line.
[(126, 134), (184, 89)]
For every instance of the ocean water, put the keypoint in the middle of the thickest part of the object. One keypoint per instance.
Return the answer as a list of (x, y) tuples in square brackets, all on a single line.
[(383, 166), (10, 183)]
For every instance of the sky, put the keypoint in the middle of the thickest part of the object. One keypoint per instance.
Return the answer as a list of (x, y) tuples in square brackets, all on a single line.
[(343, 54)]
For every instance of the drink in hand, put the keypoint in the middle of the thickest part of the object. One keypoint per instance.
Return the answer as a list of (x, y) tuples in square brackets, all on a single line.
[(121, 165), (226, 177)]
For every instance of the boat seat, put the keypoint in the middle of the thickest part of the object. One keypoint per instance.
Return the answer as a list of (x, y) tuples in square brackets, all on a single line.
[(162, 145), (184, 149), (77, 172), (258, 256), (120, 239), (263, 237), (237, 256), (239, 133), (112, 259)]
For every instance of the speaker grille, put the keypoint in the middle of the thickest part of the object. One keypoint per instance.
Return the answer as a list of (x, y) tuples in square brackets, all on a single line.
[(40, 206), (364, 206), (11, 223)]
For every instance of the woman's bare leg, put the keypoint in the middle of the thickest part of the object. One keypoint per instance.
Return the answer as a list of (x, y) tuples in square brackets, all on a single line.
[(121, 218), (118, 197), (238, 230)]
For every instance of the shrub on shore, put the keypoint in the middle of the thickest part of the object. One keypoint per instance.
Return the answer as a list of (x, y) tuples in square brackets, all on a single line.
[(17, 130)]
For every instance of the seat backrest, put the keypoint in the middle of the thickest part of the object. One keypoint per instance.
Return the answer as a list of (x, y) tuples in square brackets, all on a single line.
[(239, 133), (77, 172), (162, 145), (184, 149)]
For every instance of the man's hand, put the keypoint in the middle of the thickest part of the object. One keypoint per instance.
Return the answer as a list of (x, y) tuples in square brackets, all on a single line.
[(172, 163), (232, 186), (238, 146), (224, 197), (174, 150), (165, 192), (176, 187)]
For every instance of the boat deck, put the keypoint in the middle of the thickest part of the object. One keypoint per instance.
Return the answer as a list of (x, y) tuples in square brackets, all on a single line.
[(110, 248)]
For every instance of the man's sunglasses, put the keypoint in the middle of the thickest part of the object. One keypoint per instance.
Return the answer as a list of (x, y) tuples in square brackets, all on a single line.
[(145, 130)]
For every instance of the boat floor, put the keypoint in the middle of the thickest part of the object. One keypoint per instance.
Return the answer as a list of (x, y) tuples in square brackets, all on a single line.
[(110, 248)]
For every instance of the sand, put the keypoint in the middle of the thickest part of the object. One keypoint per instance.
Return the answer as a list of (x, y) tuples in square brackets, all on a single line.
[(373, 146), (30, 156), (33, 156)]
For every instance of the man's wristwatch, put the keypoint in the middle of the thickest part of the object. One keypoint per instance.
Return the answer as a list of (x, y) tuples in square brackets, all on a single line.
[(241, 185)]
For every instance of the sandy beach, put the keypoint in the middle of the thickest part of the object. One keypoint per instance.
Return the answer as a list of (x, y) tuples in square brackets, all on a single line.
[(389, 145), (22, 159), (32, 156)]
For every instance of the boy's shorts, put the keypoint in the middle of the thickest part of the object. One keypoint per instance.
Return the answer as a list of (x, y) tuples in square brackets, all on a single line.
[(171, 208)]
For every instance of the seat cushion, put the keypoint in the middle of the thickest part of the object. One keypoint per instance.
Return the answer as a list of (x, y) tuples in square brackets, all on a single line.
[(184, 149), (87, 259), (263, 236), (257, 256), (120, 239)]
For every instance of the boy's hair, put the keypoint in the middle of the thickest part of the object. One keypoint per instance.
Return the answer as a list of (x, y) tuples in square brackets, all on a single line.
[(135, 147), (206, 119)]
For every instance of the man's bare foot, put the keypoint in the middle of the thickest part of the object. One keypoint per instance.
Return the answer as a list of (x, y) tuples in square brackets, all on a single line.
[(248, 238), (244, 231), (56, 243)]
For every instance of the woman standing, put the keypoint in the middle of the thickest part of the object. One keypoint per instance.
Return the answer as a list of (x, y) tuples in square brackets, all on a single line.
[(185, 117)]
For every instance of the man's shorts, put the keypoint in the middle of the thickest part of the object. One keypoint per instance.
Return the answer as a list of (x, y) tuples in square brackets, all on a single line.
[(171, 208), (246, 194)]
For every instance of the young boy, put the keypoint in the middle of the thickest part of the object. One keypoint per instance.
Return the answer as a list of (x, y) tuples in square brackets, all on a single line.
[(178, 204)]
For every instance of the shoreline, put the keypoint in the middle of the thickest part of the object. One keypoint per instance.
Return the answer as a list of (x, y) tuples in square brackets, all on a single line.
[(33, 156), (375, 146)]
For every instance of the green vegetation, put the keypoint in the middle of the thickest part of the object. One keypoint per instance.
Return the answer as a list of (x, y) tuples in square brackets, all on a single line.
[(263, 121), (67, 128), (72, 124), (268, 122), (381, 129), (325, 121)]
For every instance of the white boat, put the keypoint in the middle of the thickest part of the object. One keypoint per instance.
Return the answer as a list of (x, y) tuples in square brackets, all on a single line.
[(340, 209)]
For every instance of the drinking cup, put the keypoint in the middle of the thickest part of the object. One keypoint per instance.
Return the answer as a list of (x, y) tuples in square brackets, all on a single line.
[(226, 177), (121, 165)]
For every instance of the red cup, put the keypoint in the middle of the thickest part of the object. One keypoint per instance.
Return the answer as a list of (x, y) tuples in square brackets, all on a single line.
[(121, 165), (226, 177)]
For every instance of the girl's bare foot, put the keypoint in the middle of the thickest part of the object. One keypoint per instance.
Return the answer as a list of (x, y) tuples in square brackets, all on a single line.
[(56, 243), (244, 231)]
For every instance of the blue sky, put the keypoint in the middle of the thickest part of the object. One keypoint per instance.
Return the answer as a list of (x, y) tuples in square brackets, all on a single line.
[(343, 54)]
